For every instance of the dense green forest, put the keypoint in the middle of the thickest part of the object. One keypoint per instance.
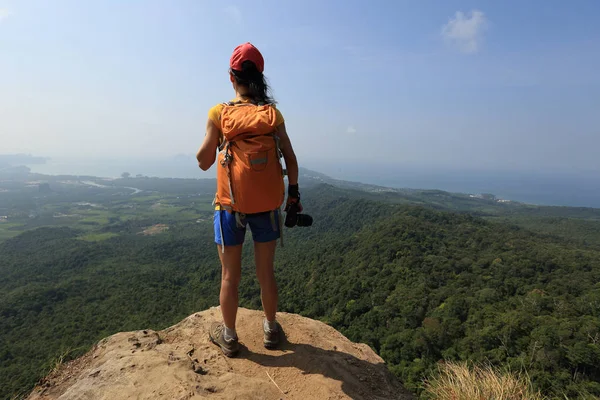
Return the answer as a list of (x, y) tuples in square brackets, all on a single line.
[(419, 276)]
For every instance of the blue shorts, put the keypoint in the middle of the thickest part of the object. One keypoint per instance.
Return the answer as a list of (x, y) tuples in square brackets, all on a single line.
[(265, 227)]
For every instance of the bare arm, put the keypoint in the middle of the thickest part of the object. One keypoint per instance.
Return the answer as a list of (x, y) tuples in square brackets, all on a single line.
[(288, 154), (207, 153)]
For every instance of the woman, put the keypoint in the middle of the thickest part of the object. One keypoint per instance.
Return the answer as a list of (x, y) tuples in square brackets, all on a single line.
[(248, 81)]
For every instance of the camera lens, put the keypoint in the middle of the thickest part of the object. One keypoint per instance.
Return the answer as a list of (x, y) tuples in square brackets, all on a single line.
[(304, 220), (290, 219)]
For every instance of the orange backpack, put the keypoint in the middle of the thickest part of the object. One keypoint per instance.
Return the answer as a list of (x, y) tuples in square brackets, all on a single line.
[(250, 173)]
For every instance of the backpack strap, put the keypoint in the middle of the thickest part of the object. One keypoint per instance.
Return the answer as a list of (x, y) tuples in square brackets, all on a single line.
[(280, 222)]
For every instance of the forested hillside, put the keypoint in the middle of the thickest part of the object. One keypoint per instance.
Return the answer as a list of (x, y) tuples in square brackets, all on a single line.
[(420, 285), (417, 284)]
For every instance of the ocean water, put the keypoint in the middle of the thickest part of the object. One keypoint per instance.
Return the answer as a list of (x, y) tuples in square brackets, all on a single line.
[(575, 189), (581, 189), (174, 167)]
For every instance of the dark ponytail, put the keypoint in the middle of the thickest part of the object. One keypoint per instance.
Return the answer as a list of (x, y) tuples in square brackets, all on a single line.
[(256, 82)]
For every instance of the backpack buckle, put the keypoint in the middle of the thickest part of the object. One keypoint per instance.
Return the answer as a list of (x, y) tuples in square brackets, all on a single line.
[(227, 158)]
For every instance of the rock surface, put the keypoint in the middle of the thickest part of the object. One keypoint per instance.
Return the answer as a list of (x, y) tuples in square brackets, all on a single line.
[(314, 362)]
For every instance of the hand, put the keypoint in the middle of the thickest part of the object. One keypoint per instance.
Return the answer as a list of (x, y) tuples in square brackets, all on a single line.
[(292, 200)]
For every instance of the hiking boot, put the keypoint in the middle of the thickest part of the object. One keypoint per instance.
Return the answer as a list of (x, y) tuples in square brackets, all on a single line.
[(217, 336), (271, 336)]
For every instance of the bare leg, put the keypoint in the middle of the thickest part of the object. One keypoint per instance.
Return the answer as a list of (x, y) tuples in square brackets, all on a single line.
[(264, 257), (231, 271)]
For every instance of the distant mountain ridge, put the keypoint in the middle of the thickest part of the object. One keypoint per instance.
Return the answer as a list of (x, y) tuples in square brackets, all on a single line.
[(311, 177), (16, 160), (451, 200), (566, 188)]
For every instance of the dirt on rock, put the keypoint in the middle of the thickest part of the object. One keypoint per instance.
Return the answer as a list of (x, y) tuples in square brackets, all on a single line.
[(314, 361)]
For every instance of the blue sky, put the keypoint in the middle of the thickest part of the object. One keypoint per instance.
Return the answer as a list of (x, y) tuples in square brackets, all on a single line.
[(476, 85)]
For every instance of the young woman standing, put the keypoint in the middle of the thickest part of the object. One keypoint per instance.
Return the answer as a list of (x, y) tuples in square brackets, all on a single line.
[(249, 84)]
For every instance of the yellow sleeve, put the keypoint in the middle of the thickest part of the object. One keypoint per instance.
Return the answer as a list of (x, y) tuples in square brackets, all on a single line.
[(279, 119), (214, 113)]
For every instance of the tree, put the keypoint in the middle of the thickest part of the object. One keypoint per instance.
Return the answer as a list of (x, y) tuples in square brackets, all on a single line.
[(125, 175)]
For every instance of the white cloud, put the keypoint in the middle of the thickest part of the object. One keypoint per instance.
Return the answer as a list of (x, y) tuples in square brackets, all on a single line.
[(466, 32), (351, 130), (234, 13), (4, 13)]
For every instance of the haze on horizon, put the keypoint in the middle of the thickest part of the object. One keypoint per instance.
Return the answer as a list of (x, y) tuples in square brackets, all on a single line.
[(491, 85)]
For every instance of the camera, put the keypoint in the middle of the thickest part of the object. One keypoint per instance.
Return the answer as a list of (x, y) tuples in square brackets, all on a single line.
[(293, 218)]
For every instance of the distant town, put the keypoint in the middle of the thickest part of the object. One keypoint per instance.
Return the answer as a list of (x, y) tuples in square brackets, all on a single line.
[(490, 197)]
